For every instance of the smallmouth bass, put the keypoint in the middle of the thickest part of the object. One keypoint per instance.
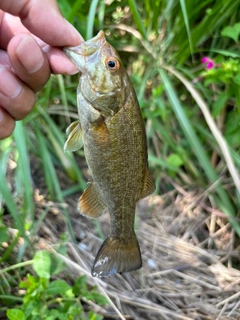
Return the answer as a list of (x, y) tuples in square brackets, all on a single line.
[(111, 129)]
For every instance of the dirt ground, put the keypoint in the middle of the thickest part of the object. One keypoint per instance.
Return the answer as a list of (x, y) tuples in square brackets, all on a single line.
[(189, 256)]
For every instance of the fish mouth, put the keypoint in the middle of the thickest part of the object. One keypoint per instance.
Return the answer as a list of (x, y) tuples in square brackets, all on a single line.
[(85, 49)]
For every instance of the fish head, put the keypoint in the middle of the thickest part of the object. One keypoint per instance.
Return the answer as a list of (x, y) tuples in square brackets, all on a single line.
[(102, 73)]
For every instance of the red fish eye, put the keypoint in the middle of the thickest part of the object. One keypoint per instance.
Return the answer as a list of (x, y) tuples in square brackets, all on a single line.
[(112, 63)]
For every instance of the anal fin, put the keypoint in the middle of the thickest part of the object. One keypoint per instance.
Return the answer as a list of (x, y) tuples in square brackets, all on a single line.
[(75, 140), (149, 185), (90, 203)]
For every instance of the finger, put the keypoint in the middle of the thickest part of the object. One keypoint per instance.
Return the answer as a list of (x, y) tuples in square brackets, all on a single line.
[(15, 97), (29, 62), (7, 124), (43, 18), (59, 62), (9, 26)]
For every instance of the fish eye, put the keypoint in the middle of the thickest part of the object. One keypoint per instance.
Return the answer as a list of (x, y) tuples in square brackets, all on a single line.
[(112, 63)]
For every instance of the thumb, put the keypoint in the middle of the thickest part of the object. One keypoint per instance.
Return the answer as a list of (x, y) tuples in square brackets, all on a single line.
[(44, 19)]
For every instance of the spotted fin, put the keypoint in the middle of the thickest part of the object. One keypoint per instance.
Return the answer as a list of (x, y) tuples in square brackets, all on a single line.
[(75, 140), (90, 203), (149, 185), (117, 255)]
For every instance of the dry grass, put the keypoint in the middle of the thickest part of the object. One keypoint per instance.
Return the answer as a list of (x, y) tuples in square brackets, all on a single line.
[(189, 252)]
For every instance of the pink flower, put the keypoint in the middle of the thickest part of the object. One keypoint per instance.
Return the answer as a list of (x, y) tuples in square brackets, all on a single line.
[(209, 63)]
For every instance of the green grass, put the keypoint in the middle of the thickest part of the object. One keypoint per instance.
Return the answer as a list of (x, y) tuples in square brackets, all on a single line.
[(161, 44)]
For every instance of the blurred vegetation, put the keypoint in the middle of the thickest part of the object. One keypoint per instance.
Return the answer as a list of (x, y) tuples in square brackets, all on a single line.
[(191, 108), (51, 299)]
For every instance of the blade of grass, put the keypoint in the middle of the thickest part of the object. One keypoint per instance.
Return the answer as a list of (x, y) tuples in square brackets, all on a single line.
[(187, 127), (10, 248), (5, 151), (24, 166), (185, 17), (137, 18), (212, 125), (51, 170), (63, 97), (48, 168), (91, 17), (68, 192), (39, 222), (101, 14), (67, 158), (168, 140), (223, 199), (10, 203), (219, 14), (55, 185), (235, 155)]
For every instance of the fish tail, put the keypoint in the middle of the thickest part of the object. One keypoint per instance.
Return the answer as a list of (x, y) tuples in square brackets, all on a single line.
[(117, 255)]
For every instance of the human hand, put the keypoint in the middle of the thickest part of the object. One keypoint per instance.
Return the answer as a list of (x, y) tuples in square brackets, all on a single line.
[(31, 33)]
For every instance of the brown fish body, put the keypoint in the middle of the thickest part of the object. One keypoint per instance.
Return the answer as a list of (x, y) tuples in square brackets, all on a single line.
[(114, 140)]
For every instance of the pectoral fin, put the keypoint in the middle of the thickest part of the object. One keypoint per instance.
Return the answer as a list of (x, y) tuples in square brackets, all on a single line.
[(90, 203), (75, 140), (149, 185)]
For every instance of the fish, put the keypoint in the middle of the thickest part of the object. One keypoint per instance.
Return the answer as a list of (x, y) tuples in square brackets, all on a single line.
[(111, 130)]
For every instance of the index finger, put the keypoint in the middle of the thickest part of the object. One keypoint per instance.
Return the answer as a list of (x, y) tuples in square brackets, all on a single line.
[(44, 19)]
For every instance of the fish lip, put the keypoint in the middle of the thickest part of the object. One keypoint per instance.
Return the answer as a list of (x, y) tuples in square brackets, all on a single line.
[(83, 49), (79, 53)]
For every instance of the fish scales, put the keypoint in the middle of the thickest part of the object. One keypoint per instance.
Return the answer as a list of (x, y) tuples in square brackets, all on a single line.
[(111, 129)]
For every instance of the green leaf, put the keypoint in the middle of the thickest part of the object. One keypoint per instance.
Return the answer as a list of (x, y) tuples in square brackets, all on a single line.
[(94, 316), (174, 160), (97, 297), (57, 264), (53, 314), (30, 306), (15, 314), (232, 32), (63, 316), (80, 286), (162, 163), (57, 287), (42, 263)]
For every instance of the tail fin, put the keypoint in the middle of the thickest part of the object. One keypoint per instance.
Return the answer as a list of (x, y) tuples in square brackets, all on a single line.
[(117, 255)]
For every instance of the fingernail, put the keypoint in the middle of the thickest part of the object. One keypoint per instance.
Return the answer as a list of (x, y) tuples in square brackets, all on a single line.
[(9, 86), (30, 54)]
